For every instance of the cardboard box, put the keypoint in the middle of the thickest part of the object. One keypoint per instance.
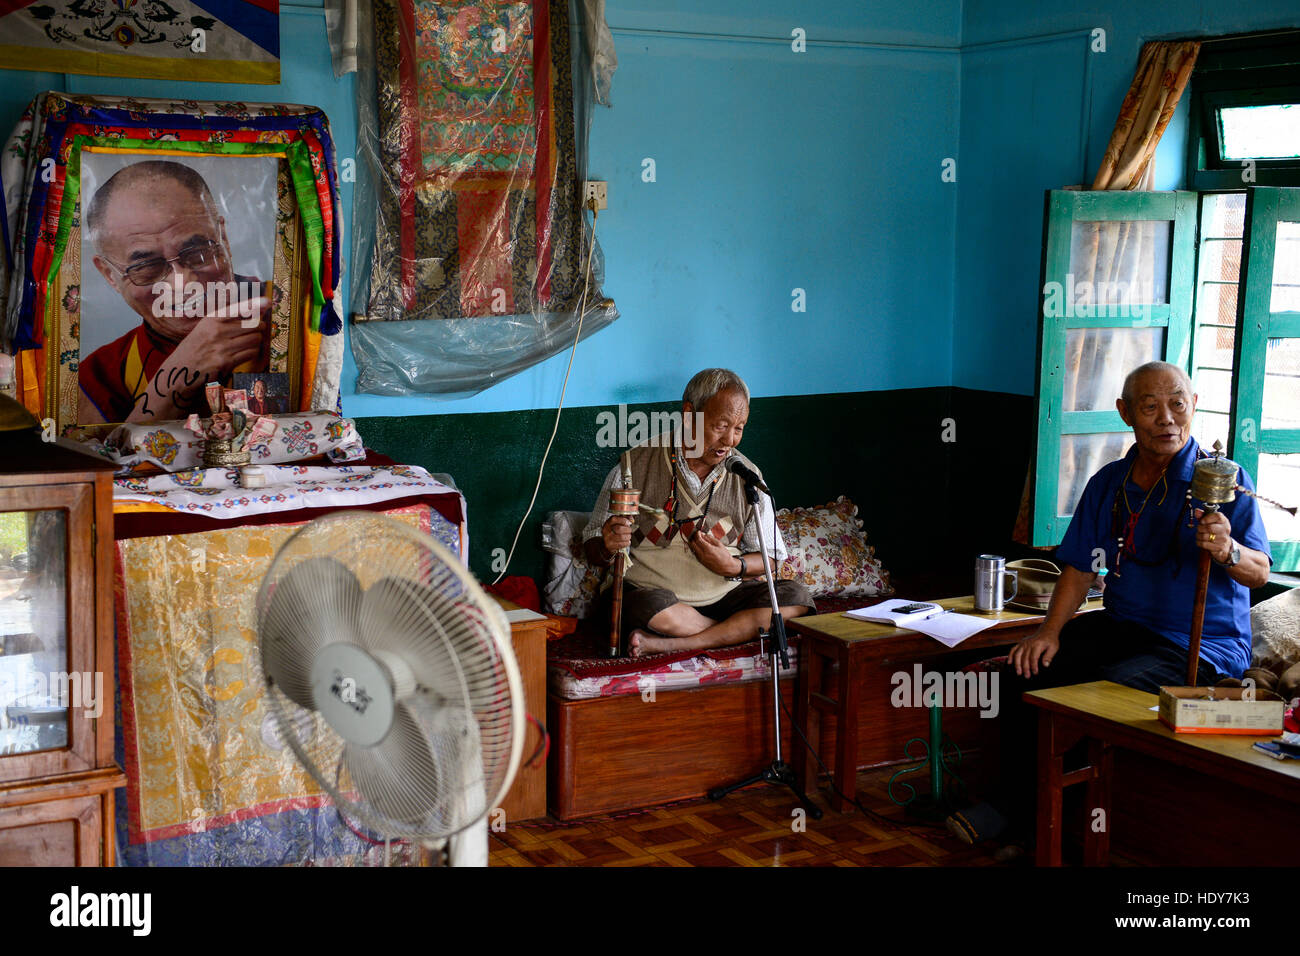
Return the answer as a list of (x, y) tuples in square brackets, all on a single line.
[(1220, 710)]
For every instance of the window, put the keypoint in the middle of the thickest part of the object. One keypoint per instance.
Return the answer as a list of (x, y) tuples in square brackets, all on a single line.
[(1117, 292), (1245, 114), (1207, 280), (1210, 283)]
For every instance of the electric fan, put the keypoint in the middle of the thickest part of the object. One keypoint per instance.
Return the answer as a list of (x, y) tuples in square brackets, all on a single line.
[(391, 676)]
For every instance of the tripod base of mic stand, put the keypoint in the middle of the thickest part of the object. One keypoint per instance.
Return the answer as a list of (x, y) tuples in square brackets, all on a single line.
[(779, 774)]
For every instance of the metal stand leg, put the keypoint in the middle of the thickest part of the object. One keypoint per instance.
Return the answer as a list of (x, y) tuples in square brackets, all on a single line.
[(937, 804)]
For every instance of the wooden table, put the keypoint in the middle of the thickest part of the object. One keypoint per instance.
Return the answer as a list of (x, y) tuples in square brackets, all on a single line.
[(858, 648), (1110, 715), (526, 798)]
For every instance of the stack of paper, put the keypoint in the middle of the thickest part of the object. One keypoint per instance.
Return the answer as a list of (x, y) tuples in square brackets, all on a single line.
[(946, 627)]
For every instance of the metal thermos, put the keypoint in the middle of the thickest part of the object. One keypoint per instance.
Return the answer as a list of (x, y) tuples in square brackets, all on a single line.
[(990, 582)]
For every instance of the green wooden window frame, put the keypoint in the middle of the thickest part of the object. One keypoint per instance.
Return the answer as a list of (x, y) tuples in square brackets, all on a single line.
[(1063, 209), (1248, 71), (1256, 324)]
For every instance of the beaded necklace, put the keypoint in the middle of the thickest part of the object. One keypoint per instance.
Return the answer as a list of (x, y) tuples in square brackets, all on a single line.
[(1127, 528)]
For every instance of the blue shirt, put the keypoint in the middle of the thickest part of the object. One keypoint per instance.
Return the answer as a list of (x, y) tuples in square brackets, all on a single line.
[(1158, 595)]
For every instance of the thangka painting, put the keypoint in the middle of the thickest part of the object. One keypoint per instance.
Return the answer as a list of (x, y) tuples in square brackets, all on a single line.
[(480, 211), (209, 40)]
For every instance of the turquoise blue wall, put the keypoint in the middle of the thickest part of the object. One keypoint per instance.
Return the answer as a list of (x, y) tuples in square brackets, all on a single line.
[(775, 170), (1037, 110), (818, 171)]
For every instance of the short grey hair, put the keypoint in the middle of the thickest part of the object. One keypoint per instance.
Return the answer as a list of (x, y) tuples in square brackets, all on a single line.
[(1183, 378), (704, 385)]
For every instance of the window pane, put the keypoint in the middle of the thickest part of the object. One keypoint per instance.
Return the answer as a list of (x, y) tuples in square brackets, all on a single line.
[(1096, 361), (1119, 263), (1081, 457), (1217, 305), (1213, 391), (1213, 351), (1282, 384), (1220, 261), (1259, 132), (33, 631), (1209, 427), (1279, 478), (1223, 216), (1286, 269)]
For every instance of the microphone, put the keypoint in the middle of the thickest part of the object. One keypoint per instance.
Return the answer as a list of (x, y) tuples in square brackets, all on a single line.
[(747, 474)]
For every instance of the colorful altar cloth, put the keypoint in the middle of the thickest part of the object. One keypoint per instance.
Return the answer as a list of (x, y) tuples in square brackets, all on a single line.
[(36, 164), (216, 493), (210, 781)]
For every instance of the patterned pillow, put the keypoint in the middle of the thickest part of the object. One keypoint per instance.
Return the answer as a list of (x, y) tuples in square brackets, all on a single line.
[(572, 584), (828, 551), (1275, 625)]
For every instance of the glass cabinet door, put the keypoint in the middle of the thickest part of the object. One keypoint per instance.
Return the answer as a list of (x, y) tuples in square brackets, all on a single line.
[(35, 689), (50, 694)]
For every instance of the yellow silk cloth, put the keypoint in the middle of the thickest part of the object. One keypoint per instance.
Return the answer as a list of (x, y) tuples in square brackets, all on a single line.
[(202, 746)]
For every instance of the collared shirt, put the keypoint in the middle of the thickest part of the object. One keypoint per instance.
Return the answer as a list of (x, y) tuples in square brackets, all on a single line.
[(696, 487), (1158, 594)]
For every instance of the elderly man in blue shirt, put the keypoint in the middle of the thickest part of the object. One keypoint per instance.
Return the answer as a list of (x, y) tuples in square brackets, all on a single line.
[(1133, 520), (1134, 516)]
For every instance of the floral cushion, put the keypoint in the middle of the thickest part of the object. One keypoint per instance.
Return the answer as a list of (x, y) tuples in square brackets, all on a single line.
[(572, 584), (829, 552)]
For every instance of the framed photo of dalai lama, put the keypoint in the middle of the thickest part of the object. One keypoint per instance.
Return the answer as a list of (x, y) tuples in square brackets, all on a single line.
[(180, 267)]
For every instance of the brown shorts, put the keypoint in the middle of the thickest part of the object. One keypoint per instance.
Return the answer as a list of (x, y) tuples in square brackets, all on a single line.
[(641, 604)]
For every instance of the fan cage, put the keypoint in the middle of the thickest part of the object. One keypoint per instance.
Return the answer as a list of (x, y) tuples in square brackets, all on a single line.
[(409, 591)]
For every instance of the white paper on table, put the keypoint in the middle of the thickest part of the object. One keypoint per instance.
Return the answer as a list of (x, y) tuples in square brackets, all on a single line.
[(521, 614), (951, 629)]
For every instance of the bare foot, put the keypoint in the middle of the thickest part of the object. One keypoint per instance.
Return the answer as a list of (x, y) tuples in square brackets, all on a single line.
[(640, 643)]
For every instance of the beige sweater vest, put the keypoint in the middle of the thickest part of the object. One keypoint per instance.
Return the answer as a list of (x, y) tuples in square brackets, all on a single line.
[(661, 557)]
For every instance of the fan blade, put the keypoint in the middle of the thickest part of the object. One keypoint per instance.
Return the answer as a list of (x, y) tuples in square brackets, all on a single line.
[(427, 773), (423, 627), (315, 604)]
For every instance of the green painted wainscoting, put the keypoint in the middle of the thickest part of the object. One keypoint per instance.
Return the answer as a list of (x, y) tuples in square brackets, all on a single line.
[(929, 505)]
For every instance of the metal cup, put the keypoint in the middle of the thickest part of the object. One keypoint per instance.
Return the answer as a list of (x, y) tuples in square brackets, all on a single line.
[(990, 583)]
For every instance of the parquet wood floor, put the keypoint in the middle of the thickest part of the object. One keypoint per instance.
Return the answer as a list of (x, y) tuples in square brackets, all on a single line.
[(754, 827)]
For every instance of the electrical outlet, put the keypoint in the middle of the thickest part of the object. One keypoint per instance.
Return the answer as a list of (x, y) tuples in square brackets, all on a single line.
[(596, 190)]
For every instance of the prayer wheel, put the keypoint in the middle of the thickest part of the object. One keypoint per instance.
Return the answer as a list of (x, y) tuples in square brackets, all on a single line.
[(623, 502)]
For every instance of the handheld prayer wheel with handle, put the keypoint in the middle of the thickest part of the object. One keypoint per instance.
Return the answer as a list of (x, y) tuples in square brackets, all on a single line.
[(1214, 483), (623, 502)]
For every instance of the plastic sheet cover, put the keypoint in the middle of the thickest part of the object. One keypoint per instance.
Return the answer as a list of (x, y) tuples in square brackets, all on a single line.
[(474, 255)]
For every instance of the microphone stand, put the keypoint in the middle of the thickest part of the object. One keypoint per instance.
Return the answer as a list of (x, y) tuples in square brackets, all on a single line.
[(778, 772)]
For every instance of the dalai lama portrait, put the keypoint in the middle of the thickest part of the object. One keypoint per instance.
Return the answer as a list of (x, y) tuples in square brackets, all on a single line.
[(160, 243)]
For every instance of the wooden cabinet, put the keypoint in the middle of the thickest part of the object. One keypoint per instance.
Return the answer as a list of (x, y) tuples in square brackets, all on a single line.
[(57, 774), (526, 798)]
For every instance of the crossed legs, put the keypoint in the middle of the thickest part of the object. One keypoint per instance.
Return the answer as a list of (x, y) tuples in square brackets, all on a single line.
[(683, 628), (655, 622)]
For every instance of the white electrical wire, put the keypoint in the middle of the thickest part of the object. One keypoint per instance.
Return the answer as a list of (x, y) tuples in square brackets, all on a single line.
[(582, 312)]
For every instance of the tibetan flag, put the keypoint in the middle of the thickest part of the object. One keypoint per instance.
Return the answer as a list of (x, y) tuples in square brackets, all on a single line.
[(206, 40)]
